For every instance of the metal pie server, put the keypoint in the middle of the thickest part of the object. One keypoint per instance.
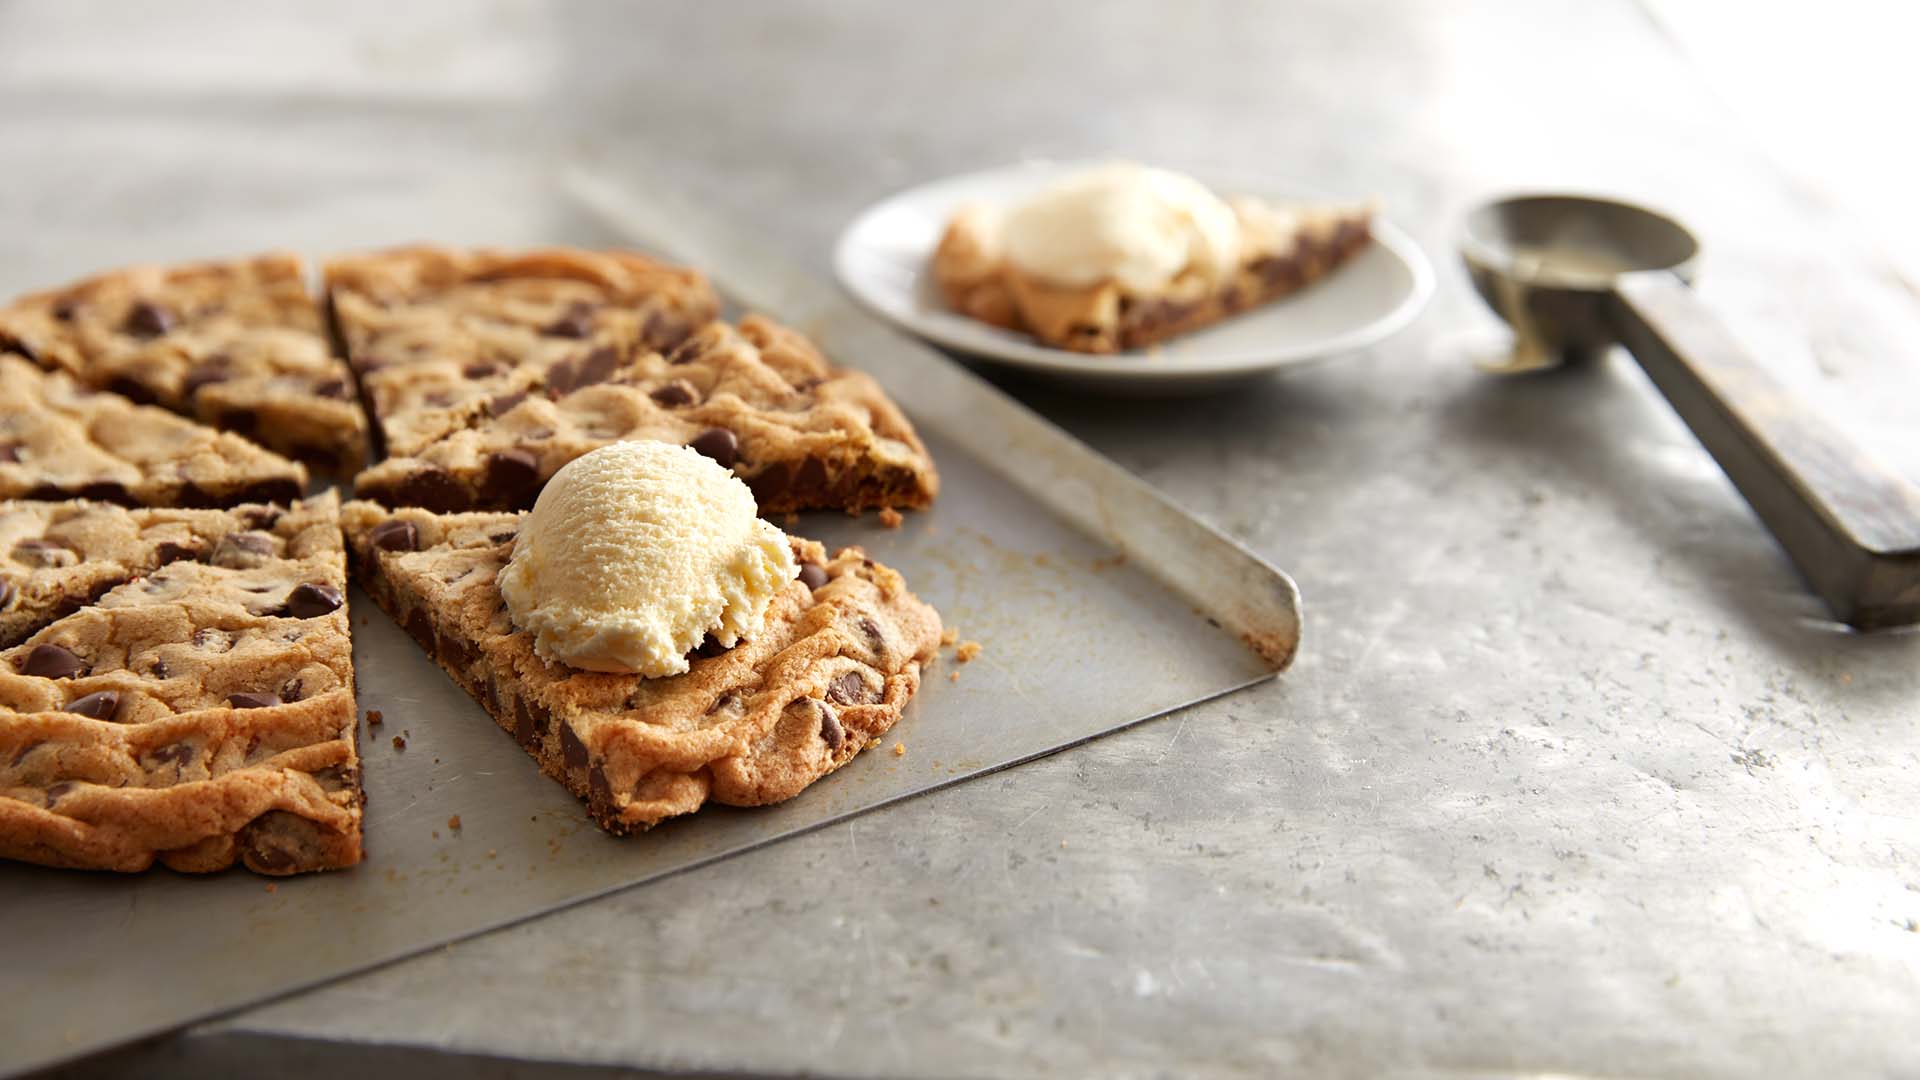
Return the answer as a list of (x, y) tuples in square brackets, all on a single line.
[(1573, 275)]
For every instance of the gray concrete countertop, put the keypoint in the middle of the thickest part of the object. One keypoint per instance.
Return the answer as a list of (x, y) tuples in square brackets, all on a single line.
[(1571, 774)]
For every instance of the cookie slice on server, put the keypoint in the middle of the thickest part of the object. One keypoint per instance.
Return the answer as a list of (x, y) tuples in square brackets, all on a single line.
[(200, 715), (238, 344), (759, 399), (59, 440), (439, 336), (836, 662)]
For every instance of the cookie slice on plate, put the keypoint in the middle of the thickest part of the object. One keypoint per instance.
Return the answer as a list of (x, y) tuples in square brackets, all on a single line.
[(60, 441), (838, 658), (201, 715), (758, 398), (1281, 249), (438, 335), (237, 344)]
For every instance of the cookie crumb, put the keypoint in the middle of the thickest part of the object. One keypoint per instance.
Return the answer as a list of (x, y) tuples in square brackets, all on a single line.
[(453, 822), (375, 718), (966, 651), (899, 749), (949, 635), (399, 743), (491, 852), (953, 676), (890, 518), (271, 887)]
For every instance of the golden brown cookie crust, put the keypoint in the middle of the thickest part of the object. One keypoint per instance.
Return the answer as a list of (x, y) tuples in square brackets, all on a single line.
[(237, 344), (59, 440), (758, 398), (200, 715), (827, 676)]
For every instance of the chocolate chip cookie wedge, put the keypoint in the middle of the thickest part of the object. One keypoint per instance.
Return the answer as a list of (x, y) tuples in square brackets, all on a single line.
[(758, 399), (58, 440), (440, 336), (837, 658), (237, 344), (1124, 256), (201, 715)]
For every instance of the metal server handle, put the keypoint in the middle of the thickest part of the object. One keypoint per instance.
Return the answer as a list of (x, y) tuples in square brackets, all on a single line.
[(1849, 523)]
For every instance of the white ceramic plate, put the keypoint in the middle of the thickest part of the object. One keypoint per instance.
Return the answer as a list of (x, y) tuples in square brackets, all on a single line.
[(882, 259)]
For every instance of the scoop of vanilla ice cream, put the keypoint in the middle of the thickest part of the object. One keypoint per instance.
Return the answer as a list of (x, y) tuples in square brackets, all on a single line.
[(637, 551), (1136, 225)]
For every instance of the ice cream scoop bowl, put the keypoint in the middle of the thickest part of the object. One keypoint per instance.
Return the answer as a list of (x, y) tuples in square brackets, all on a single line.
[(1574, 275)]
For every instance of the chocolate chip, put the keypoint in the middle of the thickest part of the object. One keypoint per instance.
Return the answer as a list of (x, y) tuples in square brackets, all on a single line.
[(10, 451), (440, 399), (260, 517), (420, 628), (242, 551), (511, 475), (204, 375), (240, 420), (180, 753), (810, 477), (312, 599), (572, 750), (597, 366), (830, 728), (813, 575), (687, 351), (851, 689), (503, 537), (719, 703), (55, 792), (160, 669), (721, 445), (576, 323), (455, 653), (7, 593), (530, 722), (146, 320), (874, 637), (394, 534), (65, 308), (247, 700), (479, 370), (52, 662), (431, 488), (672, 395), (167, 551), (133, 390), (107, 491), (43, 554), (770, 483), (293, 689), (503, 404), (99, 705), (213, 639), (332, 388), (278, 841)]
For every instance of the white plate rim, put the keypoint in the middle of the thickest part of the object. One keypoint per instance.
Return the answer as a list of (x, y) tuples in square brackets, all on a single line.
[(1003, 346)]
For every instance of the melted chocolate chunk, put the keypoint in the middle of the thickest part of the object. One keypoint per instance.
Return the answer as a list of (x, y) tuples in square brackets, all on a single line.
[(312, 599), (813, 575), (52, 662), (147, 320), (99, 705), (503, 404), (576, 323), (247, 700), (335, 388), (242, 551), (721, 445), (43, 554), (673, 395), (180, 753), (511, 475), (572, 750), (569, 375), (10, 451), (851, 689), (395, 535), (168, 552), (830, 728)]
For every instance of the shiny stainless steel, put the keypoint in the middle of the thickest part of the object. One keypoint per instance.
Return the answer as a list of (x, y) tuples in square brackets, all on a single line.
[(1098, 602), (1574, 274)]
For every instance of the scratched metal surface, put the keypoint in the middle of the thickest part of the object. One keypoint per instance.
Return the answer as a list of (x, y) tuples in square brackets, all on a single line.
[(1569, 776)]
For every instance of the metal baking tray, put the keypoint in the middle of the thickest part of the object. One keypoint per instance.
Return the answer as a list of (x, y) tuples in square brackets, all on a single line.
[(1099, 604)]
